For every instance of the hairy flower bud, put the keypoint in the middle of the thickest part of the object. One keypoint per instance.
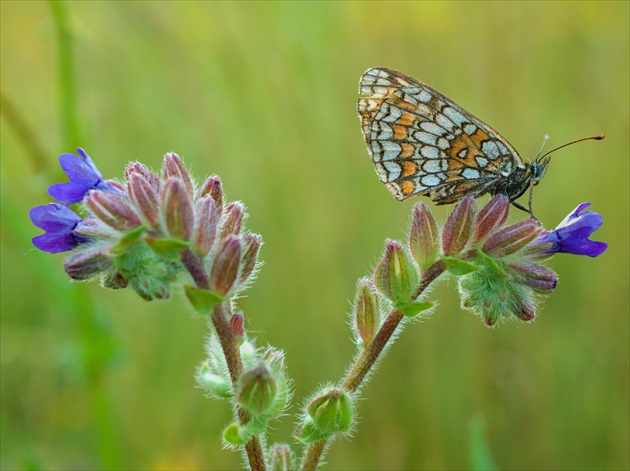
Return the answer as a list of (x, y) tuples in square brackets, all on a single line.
[(226, 265), (423, 236), (512, 238), (535, 276), (212, 187), (177, 210), (145, 198), (281, 458), (491, 217), (232, 219), (396, 276), (459, 227), (366, 312), (257, 390), (113, 209), (331, 411), (237, 322), (207, 219), (174, 167), (136, 168), (251, 247), (86, 263)]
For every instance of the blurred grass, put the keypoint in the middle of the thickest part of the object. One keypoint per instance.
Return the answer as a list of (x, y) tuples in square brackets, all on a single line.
[(264, 95)]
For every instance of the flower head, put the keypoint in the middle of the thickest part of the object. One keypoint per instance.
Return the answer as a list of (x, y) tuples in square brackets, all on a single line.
[(572, 234), (83, 175), (59, 222)]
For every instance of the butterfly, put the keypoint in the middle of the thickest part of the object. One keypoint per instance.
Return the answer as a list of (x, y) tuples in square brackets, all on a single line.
[(423, 143)]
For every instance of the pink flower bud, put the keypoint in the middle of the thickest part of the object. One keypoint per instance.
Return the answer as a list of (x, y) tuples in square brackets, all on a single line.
[(86, 263), (136, 168), (423, 236), (226, 264), (237, 322), (459, 227), (174, 167), (396, 277), (113, 209), (145, 198), (251, 247), (535, 276), (491, 217), (207, 219), (366, 311), (512, 238), (177, 211), (232, 219)]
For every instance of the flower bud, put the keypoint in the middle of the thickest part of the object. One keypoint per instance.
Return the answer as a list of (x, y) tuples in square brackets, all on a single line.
[(366, 311), (145, 198), (136, 168), (232, 219), (207, 219), (177, 211), (423, 236), (174, 167), (535, 276), (257, 390), (251, 247), (86, 263), (113, 209), (237, 322), (331, 412), (115, 281), (491, 217), (280, 458), (212, 187), (512, 238), (396, 276), (226, 264), (459, 227)]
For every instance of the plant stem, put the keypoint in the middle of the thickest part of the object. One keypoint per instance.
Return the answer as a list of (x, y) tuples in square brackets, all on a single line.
[(231, 351), (368, 358), (66, 75)]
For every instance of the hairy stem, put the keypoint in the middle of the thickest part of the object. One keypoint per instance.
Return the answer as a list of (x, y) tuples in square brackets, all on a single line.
[(369, 357), (231, 351)]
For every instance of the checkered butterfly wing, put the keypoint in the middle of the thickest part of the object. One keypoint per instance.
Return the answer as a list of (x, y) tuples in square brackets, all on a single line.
[(422, 143)]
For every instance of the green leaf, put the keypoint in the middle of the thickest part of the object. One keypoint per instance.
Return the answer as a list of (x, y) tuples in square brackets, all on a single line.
[(232, 436), (309, 433), (202, 300), (492, 264), (458, 267), (130, 239), (413, 308), (168, 249)]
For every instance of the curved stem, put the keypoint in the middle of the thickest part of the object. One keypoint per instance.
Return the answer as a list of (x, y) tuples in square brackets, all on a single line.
[(368, 358), (231, 351)]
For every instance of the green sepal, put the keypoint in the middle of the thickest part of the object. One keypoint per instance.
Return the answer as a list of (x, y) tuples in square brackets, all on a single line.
[(413, 308), (130, 239), (202, 300), (492, 264), (458, 267), (309, 433), (236, 435), (168, 249)]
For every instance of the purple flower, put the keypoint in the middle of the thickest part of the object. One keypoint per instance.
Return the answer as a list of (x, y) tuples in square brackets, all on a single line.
[(59, 223), (83, 175), (571, 235)]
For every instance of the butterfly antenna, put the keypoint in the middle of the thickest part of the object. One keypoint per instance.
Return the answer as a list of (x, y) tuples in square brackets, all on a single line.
[(545, 139), (594, 138)]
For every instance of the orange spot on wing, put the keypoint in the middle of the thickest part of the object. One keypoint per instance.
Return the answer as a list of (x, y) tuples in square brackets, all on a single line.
[(409, 168), (400, 132), (407, 119), (407, 150), (478, 137), (407, 187)]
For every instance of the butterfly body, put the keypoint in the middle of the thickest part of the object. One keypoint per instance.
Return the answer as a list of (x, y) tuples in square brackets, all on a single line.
[(423, 143)]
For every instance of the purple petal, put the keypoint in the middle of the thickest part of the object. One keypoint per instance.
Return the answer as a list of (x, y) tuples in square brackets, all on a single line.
[(79, 170), (588, 247), (55, 243), (69, 192), (54, 217)]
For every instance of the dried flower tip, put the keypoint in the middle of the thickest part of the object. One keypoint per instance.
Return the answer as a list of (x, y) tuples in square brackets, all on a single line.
[(145, 198), (177, 210), (491, 217), (174, 167), (459, 227), (512, 238), (226, 266), (113, 209), (423, 236)]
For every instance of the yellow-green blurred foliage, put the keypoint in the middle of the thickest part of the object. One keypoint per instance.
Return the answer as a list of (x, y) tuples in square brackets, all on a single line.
[(264, 95)]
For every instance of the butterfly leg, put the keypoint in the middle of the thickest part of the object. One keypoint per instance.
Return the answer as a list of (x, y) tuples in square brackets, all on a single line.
[(523, 208)]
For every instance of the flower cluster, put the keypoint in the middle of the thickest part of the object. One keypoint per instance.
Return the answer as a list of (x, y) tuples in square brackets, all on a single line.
[(499, 267), (142, 233)]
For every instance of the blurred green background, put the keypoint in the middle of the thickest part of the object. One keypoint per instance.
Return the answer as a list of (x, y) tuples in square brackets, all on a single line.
[(264, 95)]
